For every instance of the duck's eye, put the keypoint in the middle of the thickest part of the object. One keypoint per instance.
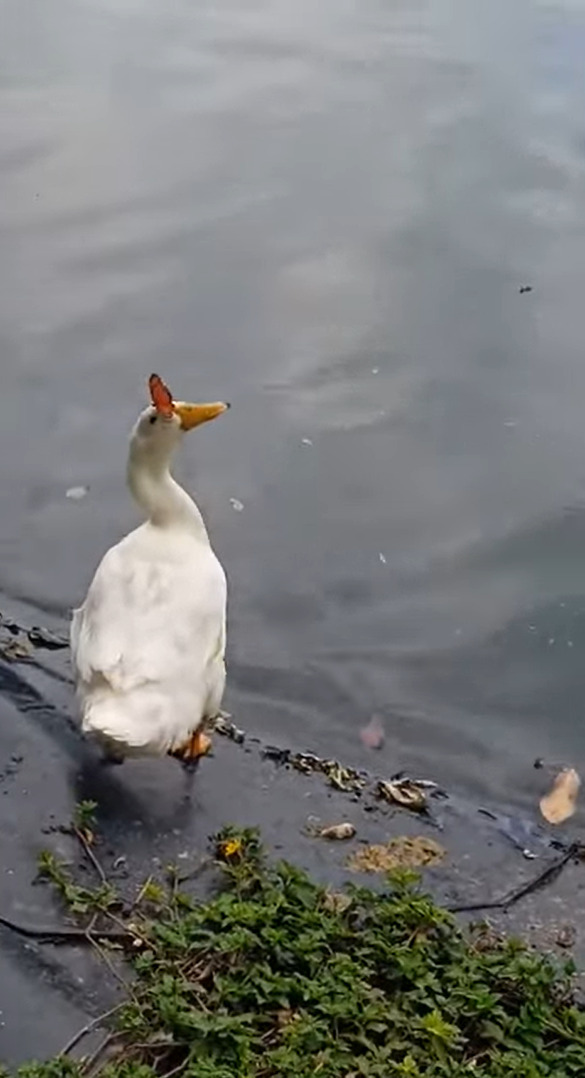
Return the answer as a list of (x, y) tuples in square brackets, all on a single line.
[(152, 419)]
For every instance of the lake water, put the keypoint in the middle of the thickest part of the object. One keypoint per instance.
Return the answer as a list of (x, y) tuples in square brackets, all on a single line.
[(325, 213)]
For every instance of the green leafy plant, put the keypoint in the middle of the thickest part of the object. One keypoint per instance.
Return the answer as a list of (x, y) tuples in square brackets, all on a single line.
[(271, 978)]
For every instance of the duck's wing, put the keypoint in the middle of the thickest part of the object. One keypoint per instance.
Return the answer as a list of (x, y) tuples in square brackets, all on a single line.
[(150, 619)]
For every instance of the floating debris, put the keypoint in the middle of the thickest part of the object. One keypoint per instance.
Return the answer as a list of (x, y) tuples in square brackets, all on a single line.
[(76, 493), (405, 792), (236, 504), (406, 851), (560, 803), (372, 735)]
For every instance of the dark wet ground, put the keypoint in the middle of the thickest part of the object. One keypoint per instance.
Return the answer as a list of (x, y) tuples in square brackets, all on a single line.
[(325, 213), (49, 991)]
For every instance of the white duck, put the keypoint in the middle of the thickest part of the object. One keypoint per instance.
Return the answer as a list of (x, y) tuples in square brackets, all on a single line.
[(148, 643)]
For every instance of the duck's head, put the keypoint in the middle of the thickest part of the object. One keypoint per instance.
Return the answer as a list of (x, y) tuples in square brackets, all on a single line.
[(159, 427)]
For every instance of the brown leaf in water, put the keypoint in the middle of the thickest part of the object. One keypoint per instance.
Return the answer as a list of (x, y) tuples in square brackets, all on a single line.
[(561, 801), (372, 735), (403, 852)]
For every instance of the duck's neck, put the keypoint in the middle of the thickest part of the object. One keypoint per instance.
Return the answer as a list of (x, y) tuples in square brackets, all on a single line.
[(165, 503)]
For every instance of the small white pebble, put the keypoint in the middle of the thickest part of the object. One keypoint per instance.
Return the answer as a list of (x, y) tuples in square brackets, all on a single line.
[(236, 504), (375, 370), (76, 493), (306, 441), (382, 558), (183, 856)]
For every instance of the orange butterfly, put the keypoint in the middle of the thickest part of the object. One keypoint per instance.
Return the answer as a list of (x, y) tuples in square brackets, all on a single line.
[(160, 396)]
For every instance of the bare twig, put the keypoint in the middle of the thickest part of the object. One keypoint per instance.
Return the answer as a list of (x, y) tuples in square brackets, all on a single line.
[(106, 960), (546, 875), (94, 1024), (90, 854), (176, 1070), (64, 934), (90, 1063), (128, 929)]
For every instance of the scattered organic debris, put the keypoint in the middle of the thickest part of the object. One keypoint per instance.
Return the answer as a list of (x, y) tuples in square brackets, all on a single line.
[(372, 735), (560, 803), (406, 792), (224, 726), (403, 852), (276, 754), (341, 778), (16, 640), (42, 638), (15, 650), (273, 975), (399, 790)]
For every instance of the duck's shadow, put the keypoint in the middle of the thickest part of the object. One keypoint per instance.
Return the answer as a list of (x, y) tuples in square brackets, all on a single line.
[(127, 797)]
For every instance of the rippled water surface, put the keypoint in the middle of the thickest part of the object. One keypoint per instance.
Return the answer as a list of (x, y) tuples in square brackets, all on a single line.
[(323, 212)]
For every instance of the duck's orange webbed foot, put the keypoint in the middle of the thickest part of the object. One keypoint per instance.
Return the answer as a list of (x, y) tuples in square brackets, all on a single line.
[(193, 749)]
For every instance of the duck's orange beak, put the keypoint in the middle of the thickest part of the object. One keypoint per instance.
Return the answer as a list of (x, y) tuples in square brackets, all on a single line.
[(193, 415)]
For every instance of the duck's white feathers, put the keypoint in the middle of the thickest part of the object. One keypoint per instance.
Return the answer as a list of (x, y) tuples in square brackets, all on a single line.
[(148, 643)]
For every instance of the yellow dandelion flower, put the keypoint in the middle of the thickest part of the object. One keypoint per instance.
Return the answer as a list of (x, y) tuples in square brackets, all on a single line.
[(231, 846)]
